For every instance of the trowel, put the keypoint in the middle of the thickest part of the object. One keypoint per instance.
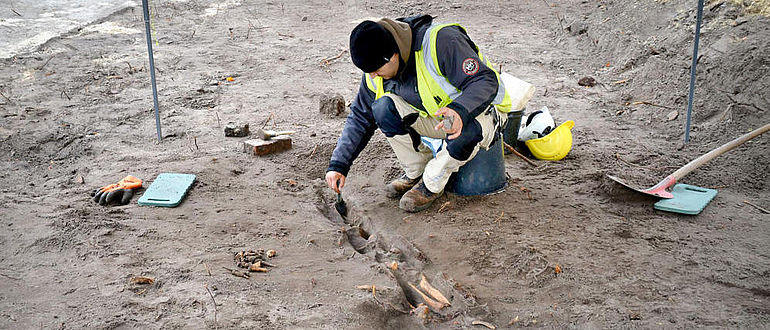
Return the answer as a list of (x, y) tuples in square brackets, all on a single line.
[(340, 205)]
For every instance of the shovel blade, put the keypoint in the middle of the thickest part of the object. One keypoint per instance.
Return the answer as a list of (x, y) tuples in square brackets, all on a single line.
[(658, 190)]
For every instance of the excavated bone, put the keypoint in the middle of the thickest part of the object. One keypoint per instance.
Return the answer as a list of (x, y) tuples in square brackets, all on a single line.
[(432, 291), (413, 295), (434, 305), (257, 267)]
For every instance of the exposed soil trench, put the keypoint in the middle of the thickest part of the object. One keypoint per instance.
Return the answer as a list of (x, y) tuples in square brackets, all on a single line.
[(415, 290), (561, 247)]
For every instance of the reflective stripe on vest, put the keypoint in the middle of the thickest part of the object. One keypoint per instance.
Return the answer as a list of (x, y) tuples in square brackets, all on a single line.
[(375, 85), (433, 87)]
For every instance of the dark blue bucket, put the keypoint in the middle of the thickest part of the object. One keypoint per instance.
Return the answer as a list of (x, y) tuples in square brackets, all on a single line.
[(484, 174)]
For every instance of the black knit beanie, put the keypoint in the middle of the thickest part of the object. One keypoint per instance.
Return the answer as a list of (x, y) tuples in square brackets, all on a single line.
[(371, 46)]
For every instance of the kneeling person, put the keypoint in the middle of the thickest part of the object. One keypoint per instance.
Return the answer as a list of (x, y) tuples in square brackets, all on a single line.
[(421, 79)]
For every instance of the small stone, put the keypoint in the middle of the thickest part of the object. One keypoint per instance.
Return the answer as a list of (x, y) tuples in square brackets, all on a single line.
[(236, 129), (587, 81), (332, 105), (672, 115)]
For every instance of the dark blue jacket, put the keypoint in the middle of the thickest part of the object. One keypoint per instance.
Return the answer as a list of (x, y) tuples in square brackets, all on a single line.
[(453, 47)]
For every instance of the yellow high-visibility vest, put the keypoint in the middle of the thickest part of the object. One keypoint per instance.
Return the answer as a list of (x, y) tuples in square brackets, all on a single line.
[(434, 88)]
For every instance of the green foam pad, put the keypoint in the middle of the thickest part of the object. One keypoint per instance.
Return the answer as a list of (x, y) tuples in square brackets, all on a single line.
[(687, 199), (167, 190)]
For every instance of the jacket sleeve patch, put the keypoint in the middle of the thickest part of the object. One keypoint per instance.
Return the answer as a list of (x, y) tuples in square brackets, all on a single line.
[(470, 66)]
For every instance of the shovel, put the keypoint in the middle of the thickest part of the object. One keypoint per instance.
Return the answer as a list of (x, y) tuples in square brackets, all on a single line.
[(660, 189)]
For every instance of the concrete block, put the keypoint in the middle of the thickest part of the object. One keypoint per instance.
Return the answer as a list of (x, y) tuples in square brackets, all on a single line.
[(261, 147), (236, 130)]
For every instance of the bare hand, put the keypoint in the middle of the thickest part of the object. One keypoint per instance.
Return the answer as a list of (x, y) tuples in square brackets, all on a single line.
[(457, 123), (335, 180)]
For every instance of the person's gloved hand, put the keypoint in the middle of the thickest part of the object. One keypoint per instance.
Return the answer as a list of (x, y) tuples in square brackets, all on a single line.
[(120, 192)]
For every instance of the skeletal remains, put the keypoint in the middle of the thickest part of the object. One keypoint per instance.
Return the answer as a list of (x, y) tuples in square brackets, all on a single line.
[(426, 294), (254, 261)]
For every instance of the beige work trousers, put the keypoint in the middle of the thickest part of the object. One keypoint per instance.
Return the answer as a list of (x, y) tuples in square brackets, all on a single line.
[(435, 171)]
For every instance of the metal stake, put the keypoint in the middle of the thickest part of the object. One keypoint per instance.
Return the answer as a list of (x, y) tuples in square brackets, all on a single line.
[(146, 10), (692, 71)]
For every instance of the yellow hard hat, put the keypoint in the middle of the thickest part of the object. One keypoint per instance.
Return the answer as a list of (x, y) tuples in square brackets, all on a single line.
[(554, 146)]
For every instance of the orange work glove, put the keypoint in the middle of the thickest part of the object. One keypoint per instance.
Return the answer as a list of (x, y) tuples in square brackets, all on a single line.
[(120, 192)]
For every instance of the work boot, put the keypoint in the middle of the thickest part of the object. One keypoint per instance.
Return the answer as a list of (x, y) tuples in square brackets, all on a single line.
[(399, 186), (418, 198)]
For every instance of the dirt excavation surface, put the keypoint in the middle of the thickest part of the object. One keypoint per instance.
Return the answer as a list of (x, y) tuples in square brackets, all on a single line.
[(561, 247)]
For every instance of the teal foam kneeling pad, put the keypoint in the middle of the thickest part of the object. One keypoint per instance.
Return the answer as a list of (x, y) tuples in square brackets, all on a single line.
[(687, 199), (168, 190)]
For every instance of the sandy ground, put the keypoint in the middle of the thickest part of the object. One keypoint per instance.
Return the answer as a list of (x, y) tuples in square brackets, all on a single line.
[(27, 24), (80, 107)]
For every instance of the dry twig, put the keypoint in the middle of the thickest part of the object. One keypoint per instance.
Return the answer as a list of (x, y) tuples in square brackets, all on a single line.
[(763, 210), (327, 61), (313, 152), (7, 99), (511, 149), (11, 277), (271, 116), (743, 104), (502, 213), (215, 304), (208, 270), (557, 16), (650, 103), (46, 62), (444, 207)]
